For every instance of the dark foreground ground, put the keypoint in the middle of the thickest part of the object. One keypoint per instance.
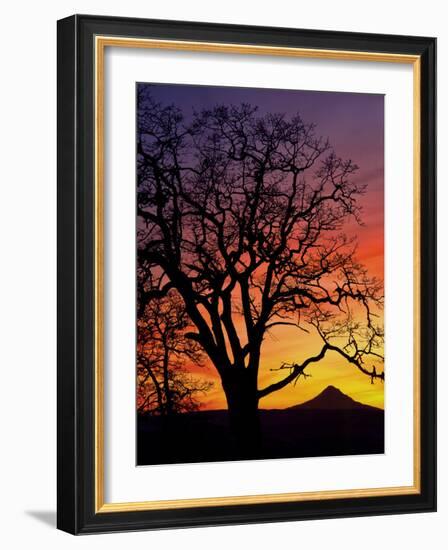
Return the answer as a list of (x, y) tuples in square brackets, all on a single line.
[(288, 433)]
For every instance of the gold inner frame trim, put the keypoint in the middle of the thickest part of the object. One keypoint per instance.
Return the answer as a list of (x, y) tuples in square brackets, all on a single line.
[(101, 42)]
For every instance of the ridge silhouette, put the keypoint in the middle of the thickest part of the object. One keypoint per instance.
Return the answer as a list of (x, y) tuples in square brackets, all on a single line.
[(330, 424), (331, 398)]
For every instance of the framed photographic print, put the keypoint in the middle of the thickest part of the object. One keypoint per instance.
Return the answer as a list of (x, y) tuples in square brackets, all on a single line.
[(246, 270)]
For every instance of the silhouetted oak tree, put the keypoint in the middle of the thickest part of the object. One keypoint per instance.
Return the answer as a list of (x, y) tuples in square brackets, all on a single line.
[(163, 385), (242, 216)]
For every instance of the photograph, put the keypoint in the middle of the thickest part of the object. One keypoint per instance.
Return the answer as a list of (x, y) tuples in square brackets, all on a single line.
[(259, 273)]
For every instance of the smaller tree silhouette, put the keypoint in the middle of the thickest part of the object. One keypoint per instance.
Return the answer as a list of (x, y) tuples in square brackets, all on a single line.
[(163, 386)]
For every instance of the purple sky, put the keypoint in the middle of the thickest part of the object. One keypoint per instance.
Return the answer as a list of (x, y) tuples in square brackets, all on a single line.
[(353, 123)]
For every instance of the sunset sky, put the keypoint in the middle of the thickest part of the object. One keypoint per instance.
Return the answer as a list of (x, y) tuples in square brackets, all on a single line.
[(354, 125)]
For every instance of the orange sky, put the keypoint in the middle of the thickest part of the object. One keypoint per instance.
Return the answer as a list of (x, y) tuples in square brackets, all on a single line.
[(286, 344)]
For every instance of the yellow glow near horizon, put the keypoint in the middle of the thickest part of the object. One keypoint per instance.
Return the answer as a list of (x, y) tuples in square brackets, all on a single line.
[(289, 344)]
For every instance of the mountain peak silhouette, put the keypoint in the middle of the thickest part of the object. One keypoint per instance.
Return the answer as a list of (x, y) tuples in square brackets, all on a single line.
[(331, 398)]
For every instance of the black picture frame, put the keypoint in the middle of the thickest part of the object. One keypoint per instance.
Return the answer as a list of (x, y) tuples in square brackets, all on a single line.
[(76, 511)]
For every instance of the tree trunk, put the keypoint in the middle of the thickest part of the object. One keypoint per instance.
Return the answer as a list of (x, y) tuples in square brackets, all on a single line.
[(240, 387)]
